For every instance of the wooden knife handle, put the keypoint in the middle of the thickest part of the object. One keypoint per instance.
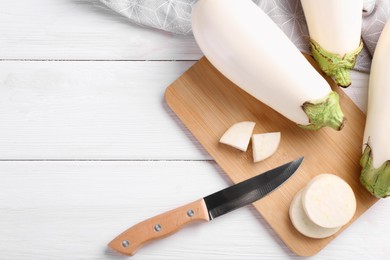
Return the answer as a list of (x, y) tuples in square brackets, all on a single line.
[(159, 226)]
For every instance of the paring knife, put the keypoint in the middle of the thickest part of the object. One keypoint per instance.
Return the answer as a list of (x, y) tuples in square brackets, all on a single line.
[(204, 209)]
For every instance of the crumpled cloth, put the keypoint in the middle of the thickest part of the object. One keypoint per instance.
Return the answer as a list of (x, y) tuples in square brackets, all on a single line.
[(175, 16)]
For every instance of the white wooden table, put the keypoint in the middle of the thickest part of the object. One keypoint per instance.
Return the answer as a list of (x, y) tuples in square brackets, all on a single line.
[(88, 146)]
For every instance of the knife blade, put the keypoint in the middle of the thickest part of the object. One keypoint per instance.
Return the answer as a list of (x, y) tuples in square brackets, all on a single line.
[(205, 209)]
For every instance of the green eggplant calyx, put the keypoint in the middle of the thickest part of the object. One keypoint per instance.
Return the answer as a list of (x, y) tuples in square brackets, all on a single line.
[(325, 112), (375, 180), (334, 65)]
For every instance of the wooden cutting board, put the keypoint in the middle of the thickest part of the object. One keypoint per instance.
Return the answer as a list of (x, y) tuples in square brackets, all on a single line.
[(208, 104)]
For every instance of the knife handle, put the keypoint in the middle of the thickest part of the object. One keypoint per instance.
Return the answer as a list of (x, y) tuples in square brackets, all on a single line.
[(158, 227)]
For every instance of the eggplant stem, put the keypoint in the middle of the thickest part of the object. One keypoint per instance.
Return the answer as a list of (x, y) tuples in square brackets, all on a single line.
[(333, 64), (326, 112), (375, 180)]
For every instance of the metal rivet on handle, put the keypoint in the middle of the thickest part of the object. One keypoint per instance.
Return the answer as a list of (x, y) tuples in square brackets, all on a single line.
[(125, 243), (157, 228), (190, 213)]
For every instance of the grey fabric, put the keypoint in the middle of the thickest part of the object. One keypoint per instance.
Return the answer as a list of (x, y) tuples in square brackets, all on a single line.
[(168, 15), (375, 15), (175, 16)]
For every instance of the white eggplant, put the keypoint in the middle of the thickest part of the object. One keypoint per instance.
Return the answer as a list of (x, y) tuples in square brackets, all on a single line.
[(335, 35), (245, 45), (375, 161)]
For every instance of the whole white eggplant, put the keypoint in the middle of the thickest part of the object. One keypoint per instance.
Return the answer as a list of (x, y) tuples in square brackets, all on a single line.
[(375, 161), (335, 35), (245, 45)]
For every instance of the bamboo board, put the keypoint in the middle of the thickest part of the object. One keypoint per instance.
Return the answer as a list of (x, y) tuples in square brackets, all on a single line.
[(208, 104)]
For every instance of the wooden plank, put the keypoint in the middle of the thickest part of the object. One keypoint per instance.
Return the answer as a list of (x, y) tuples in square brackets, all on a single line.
[(97, 110), (208, 103), (83, 30), (91, 110), (70, 210)]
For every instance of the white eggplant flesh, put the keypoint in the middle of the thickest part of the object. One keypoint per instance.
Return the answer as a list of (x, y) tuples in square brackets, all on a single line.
[(264, 145), (335, 33), (375, 160), (329, 201), (248, 48), (238, 135), (302, 222)]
